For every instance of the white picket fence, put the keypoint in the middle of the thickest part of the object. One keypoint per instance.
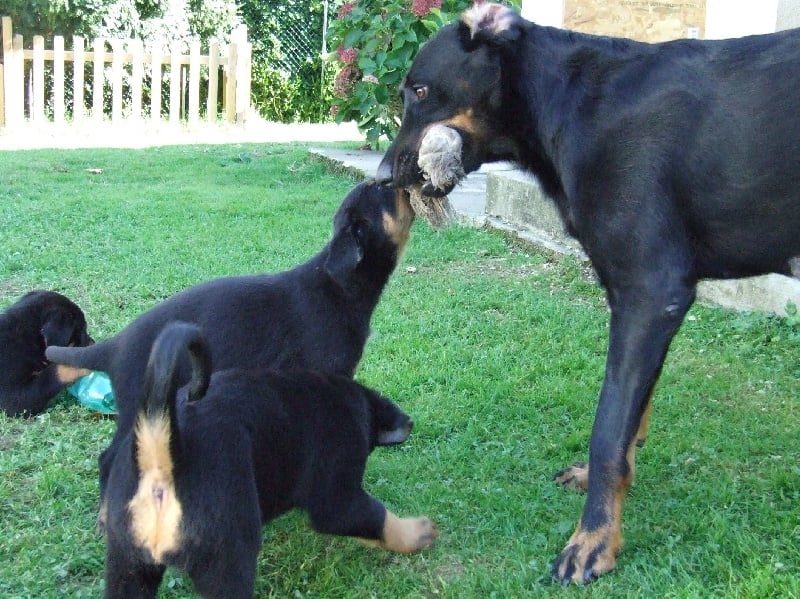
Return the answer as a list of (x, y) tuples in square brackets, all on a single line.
[(128, 60)]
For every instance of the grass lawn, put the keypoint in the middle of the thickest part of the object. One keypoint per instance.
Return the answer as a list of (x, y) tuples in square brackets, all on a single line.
[(494, 348)]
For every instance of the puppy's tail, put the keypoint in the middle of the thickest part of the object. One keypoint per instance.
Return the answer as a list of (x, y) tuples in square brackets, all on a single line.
[(157, 402), (156, 509), (91, 357)]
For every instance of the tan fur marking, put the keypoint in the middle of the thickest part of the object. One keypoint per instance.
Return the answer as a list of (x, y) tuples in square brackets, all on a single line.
[(405, 535), (609, 537), (155, 508), (641, 435), (463, 120), (69, 374), (575, 478), (398, 227)]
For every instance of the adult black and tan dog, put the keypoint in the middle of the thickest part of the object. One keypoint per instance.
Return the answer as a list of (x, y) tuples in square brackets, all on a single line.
[(28, 381), (670, 163), (314, 316), (197, 476)]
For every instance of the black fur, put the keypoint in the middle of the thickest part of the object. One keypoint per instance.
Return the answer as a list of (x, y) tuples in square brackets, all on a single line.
[(670, 162), (28, 381), (313, 316), (245, 447)]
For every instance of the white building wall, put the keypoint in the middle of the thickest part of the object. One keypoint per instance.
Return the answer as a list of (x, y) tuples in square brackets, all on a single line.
[(788, 14), (724, 18)]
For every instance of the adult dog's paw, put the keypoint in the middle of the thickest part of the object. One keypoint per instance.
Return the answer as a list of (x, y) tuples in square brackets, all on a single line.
[(587, 556), (576, 477)]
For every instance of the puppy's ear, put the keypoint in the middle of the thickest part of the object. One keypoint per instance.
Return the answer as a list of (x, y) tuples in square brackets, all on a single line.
[(345, 252), (57, 328), (390, 424), (492, 23)]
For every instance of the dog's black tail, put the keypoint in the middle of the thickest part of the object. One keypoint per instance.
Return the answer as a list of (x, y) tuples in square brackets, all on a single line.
[(155, 508)]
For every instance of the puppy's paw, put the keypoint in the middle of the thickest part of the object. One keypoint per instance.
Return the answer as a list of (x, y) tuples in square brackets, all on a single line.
[(405, 535), (69, 374), (421, 533), (576, 477)]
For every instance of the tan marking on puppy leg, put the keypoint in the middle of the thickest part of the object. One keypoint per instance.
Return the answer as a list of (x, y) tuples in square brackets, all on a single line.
[(155, 508), (102, 518), (69, 374), (405, 535)]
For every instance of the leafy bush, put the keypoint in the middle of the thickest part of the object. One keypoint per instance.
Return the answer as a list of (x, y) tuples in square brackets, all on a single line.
[(375, 42)]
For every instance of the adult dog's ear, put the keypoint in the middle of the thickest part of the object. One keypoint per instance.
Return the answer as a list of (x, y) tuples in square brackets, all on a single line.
[(492, 23), (345, 252)]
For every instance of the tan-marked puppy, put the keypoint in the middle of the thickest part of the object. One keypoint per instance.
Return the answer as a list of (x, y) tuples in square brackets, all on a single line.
[(205, 466), (314, 316)]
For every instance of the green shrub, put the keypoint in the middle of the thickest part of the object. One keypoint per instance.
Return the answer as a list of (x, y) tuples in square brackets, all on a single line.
[(375, 42)]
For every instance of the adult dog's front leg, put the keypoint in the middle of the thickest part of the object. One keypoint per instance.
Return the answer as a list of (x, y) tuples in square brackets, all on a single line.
[(642, 326)]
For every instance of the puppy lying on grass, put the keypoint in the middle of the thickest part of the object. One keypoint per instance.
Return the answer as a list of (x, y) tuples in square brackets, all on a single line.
[(28, 381), (206, 466)]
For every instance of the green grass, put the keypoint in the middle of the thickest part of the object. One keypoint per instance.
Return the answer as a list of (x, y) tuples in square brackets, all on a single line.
[(495, 349)]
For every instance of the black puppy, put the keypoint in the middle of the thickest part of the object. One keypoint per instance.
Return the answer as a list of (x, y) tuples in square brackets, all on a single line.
[(314, 316), (197, 477), (669, 162), (28, 381)]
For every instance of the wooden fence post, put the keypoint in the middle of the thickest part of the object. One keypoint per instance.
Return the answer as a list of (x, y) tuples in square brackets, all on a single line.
[(175, 84), (118, 52), (155, 83), (13, 76), (78, 64), (213, 81), (237, 92), (137, 75), (98, 83), (2, 97), (230, 83), (58, 80), (37, 101), (194, 82)]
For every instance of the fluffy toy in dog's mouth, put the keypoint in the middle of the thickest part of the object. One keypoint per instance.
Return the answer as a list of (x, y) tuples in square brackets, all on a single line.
[(440, 163)]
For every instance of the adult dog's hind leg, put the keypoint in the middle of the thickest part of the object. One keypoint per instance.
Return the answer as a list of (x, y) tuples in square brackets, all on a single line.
[(643, 322), (576, 477)]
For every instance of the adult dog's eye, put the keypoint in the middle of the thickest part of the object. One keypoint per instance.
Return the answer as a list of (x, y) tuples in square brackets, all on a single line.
[(421, 91)]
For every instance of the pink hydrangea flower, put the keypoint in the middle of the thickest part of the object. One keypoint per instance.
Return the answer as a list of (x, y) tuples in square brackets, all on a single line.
[(345, 9), (345, 80), (347, 55), (420, 8)]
